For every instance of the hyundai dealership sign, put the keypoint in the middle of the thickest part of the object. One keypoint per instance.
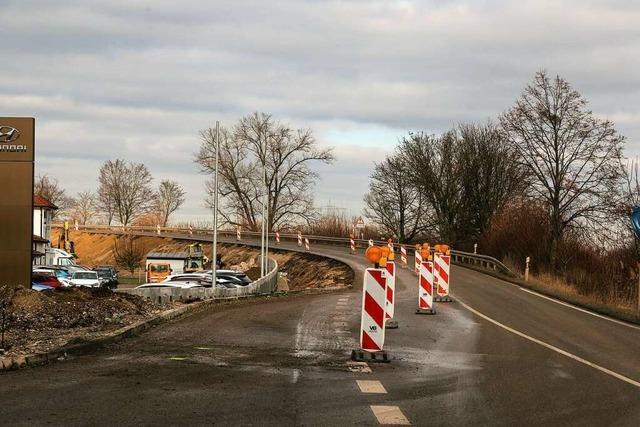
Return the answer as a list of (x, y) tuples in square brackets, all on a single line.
[(17, 137)]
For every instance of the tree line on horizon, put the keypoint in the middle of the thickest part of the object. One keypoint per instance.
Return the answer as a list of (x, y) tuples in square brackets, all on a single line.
[(125, 195), (546, 179)]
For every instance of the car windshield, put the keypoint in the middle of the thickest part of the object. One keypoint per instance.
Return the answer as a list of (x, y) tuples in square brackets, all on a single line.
[(103, 273), (85, 275), (159, 268)]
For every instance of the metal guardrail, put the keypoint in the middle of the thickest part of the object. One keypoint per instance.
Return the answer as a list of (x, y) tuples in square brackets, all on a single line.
[(457, 257)]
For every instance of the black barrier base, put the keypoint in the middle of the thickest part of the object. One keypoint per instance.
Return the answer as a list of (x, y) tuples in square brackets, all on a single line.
[(443, 299), (368, 356), (391, 324), (429, 311)]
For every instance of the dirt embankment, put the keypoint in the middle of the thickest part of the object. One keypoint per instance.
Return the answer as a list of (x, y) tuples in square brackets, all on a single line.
[(40, 321), (304, 271)]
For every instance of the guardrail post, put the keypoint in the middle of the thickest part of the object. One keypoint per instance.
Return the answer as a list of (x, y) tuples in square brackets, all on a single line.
[(526, 269)]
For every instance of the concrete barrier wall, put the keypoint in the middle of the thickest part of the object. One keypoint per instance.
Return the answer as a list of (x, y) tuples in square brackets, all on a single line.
[(263, 286)]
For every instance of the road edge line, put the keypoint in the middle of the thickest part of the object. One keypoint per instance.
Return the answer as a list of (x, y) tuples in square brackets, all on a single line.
[(575, 307), (551, 347)]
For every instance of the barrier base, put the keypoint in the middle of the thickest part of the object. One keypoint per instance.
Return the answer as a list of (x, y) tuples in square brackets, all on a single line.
[(391, 324), (429, 311), (445, 298), (368, 356)]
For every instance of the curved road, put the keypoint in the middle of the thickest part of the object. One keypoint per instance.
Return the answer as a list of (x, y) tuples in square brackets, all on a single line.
[(497, 355)]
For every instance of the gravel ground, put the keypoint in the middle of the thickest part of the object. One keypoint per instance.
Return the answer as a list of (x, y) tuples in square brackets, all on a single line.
[(40, 321)]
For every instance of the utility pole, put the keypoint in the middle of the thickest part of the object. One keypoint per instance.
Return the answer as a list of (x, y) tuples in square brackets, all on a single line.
[(214, 264), (264, 206), (266, 236)]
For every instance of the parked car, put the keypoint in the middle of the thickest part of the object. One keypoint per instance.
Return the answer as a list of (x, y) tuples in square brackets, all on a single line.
[(108, 274), (179, 285), (85, 278), (112, 271), (232, 275), (204, 280), (39, 287), (47, 278)]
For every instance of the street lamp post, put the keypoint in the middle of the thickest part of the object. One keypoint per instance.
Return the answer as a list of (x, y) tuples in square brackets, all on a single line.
[(214, 264)]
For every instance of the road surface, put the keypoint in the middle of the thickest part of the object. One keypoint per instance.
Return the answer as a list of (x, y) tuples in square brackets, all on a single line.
[(497, 355)]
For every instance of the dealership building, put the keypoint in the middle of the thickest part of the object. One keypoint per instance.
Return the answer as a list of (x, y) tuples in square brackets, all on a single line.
[(43, 211)]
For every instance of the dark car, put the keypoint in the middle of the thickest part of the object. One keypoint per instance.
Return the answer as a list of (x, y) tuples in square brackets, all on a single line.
[(108, 274)]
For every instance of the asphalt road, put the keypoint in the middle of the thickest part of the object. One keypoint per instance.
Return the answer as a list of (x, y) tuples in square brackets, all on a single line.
[(497, 355)]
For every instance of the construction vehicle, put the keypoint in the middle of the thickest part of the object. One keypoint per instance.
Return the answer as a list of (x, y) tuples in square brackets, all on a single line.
[(195, 260), (159, 265)]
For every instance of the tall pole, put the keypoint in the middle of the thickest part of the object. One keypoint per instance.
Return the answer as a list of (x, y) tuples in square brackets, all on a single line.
[(266, 234), (264, 206), (214, 264)]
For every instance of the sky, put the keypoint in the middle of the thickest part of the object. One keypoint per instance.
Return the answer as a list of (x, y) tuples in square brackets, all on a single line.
[(138, 79)]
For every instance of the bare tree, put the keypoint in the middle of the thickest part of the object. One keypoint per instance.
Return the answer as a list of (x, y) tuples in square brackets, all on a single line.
[(106, 205), (126, 188), (84, 207), (49, 188), (573, 157), (491, 174), (256, 142), (434, 170), (393, 202), (127, 254), (168, 199), (464, 177)]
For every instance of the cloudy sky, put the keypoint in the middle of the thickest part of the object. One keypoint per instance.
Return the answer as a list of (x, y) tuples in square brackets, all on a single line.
[(137, 79)]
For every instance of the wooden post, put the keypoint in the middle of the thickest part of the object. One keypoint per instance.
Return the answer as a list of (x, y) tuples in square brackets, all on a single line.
[(526, 269)]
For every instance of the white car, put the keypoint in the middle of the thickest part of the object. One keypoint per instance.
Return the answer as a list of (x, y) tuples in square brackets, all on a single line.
[(85, 278), (179, 285)]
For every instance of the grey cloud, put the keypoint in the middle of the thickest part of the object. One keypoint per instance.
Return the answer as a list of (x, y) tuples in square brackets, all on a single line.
[(139, 79)]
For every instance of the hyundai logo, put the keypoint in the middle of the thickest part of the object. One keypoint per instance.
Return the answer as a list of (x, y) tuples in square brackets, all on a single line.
[(8, 134)]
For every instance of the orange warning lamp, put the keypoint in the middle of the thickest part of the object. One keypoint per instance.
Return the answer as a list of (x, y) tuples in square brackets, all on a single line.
[(424, 253), (385, 255), (418, 246), (373, 254), (444, 249), (391, 255)]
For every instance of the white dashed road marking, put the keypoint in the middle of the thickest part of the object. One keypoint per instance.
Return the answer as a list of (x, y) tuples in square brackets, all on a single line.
[(390, 415), (360, 367), (371, 386)]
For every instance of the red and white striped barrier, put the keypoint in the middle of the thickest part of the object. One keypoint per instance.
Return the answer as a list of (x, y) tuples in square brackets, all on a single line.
[(370, 242), (403, 256), (425, 289), (373, 313), (391, 289), (190, 230), (418, 260), (442, 268), (299, 239), (277, 237), (352, 246), (158, 228), (238, 233), (306, 244)]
